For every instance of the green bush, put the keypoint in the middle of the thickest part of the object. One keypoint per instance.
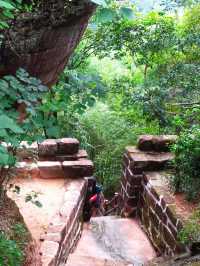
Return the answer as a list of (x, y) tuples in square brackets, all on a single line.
[(191, 230), (105, 133), (187, 163), (10, 254)]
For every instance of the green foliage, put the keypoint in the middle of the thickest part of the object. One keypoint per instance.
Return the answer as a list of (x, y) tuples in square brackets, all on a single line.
[(191, 231), (33, 198), (10, 252), (70, 97), (20, 236), (105, 133), (7, 9), (187, 154), (16, 91)]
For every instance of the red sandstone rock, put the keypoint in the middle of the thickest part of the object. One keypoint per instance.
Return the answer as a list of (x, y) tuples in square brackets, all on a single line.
[(68, 146), (68, 209), (82, 154), (156, 143), (49, 248), (48, 148), (147, 161), (50, 170), (55, 237), (76, 169)]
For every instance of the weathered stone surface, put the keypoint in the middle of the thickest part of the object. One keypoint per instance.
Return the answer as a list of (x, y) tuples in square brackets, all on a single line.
[(68, 146), (43, 40), (50, 170), (48, 148), (149, 161), (82, 154), (110, 241), (156, 143), (26, 151), (49, 248), (76, 169), (55, 237), (171, 213)]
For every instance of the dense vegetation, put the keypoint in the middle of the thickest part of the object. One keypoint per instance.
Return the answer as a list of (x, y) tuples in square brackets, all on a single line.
[(133, 73)]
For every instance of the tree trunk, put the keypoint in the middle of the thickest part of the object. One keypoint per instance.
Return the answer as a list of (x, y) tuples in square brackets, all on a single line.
[(42, 41)]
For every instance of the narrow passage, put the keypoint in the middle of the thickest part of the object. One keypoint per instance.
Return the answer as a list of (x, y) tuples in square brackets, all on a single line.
[(112, 241)]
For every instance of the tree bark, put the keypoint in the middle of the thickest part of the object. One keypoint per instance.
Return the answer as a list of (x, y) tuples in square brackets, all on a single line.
[(42, 41)]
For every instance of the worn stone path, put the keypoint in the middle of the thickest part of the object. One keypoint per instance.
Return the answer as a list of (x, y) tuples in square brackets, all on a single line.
[(112, 241)]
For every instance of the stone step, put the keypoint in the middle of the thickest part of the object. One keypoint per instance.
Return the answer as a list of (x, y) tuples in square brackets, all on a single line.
[(91, 261), (156, 143), (112, 239), (140, 161)]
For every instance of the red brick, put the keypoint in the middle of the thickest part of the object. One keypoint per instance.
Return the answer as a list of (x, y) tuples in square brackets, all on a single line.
[(50, 170), (156, 143), (47, 148), (82, 154), (76, 169), (68, 146)]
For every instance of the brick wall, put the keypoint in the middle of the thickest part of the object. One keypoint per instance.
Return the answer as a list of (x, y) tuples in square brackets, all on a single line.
[(52, 159), (145, 192), (65, 228)]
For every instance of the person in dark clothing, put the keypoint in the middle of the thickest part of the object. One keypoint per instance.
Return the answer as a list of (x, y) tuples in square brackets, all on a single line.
[(94, 202)]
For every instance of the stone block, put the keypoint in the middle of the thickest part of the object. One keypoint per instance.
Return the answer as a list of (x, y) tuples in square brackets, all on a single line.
[(72, 196), (34, 171), (49, 248), (154, 219), (77, 169), (168, 237), (48, 261), (82, 154), (68, 210), (47, 148), (130, 190), (50, 170), (156, 143), (68, 146), (150, 200), (159, 211), (151, 161), (55, 237), (57, 227), (171, 214)]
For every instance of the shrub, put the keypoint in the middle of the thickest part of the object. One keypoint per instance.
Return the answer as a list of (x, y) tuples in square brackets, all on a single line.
[(10, 253), (187, 163), (191, 231), (105, 133)]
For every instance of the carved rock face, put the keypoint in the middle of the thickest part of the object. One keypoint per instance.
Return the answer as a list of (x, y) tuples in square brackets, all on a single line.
[(42, 41)]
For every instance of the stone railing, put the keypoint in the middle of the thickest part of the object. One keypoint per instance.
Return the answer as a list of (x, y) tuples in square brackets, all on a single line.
[(145, 192), (52, 159)]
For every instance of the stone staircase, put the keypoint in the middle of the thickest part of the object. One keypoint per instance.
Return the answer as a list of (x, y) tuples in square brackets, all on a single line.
[(112, 241)]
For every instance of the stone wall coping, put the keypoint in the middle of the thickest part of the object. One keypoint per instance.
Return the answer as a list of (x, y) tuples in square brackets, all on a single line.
[(137, 155), (63, 223), (56, 169), (156, 143)]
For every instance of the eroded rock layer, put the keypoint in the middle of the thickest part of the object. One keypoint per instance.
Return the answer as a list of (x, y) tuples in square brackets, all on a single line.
[(43, 40)]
